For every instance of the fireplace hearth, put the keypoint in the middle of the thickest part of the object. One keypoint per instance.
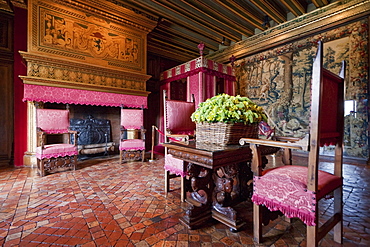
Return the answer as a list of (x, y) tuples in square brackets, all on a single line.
[(94, 136)]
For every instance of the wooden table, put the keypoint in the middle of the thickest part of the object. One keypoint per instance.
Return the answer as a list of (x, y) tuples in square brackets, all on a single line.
[(217, 182)]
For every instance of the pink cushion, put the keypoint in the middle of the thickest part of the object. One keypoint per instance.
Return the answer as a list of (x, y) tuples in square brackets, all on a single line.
[(56, 150), (52, 120), (285, 189), (178, 116), (132, 144), (174, 165), (132, 118)]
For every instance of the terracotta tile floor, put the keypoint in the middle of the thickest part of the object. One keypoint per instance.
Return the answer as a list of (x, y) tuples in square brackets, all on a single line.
[(105, 203)]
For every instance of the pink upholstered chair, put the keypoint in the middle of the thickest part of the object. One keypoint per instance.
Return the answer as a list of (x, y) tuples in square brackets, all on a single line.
[(52, 157), (296, 190), (178, 127), (132, 143)]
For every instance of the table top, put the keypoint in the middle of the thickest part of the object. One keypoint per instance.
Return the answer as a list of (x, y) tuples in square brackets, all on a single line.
[(209, 156)]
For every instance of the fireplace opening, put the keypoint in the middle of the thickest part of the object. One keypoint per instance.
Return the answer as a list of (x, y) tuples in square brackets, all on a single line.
[(98, 128)]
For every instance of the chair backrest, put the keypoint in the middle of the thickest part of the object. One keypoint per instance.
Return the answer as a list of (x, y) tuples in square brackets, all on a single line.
[(132, 118), (327, 116), (177, 116), (52, 121)]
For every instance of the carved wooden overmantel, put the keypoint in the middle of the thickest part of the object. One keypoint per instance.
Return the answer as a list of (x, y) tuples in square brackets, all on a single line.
[(85, 45)]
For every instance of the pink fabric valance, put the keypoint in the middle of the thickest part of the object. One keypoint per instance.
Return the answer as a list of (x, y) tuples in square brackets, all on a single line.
[(81, 97), (200, 64)]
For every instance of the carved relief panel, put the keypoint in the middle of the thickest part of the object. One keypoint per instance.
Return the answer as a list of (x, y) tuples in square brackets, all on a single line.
[(81, 43)]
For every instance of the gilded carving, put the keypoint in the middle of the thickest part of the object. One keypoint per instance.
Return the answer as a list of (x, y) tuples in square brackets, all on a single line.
[(89, 37), (5, 6), (19, 3)]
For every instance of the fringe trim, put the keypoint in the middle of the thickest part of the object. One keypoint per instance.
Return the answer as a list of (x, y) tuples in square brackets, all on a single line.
[(55, 155), (57, 131), (131, 148), (175, 171), (307, 217)]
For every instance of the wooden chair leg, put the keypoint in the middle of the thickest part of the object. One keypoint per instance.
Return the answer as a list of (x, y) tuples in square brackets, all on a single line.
[(42, 170), (183, 191), (142, 156), (166, 182), (74, 162), (312, 236), (39, 167), (257, 223), (338, 209), (120, 156)]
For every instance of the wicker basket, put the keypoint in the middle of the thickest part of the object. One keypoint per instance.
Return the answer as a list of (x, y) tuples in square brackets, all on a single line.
[(224, 134)]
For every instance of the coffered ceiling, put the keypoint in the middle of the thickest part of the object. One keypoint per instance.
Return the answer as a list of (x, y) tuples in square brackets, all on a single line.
[(183, 24)]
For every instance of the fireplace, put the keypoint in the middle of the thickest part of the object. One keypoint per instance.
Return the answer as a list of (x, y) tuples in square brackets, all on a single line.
[(98, 128), (72, 69), (94, 136)]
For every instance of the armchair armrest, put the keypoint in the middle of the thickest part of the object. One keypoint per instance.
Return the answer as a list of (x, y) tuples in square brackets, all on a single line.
[(270, 143), (184, 138), (301, 144), (286, 138)]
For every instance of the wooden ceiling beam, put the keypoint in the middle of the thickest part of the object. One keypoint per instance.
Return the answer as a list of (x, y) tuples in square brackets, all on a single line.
[(320, 3), (166, 44), (243, 13), (271, 11), (167, 26), (194, 22), (154, 8), (218, 17), (174, 41), (175, 53), (295, 6)]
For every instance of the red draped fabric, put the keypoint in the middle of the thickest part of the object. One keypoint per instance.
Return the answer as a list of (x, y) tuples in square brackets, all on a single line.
[(82, 97), (20, 108)]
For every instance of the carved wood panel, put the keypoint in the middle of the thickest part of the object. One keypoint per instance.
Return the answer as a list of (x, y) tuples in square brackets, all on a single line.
[(6, 92)]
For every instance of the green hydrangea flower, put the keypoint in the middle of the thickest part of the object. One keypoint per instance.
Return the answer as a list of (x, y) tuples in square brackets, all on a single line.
[(228, 109)]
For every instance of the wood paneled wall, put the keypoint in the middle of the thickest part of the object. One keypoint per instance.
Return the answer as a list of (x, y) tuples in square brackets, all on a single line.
[(6, 85)]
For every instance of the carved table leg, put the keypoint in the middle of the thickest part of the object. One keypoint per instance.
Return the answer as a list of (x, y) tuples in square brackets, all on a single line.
[(198, 197), (226, 196)]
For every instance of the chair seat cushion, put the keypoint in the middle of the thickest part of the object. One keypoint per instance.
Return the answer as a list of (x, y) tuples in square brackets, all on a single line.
[(56, 150), (285, 189), (174, 165), (132, 144)]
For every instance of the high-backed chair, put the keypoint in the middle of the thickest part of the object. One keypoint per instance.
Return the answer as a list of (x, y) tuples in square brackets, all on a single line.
[(296, 190), (132, 143), (178, 127), (51, 157)]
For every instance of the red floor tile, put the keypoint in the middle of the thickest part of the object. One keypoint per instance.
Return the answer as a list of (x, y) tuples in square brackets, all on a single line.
[(102, 204)]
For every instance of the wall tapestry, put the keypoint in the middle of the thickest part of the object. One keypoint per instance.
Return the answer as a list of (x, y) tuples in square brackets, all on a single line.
[(279, 80)]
